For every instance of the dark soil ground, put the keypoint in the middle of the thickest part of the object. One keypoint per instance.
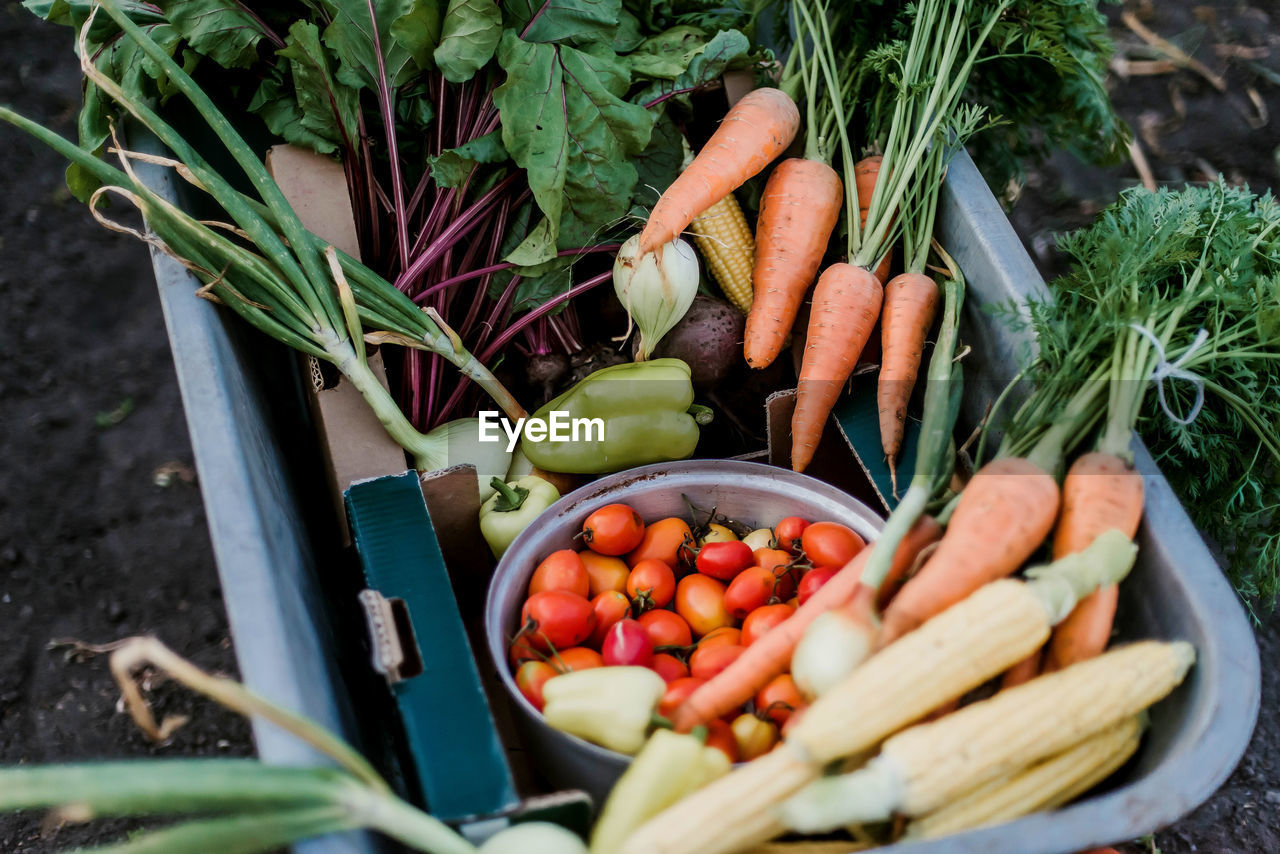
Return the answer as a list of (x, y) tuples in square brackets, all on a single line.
[(102, 534)]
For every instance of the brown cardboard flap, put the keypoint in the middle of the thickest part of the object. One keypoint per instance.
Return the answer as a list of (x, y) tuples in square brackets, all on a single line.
[(453, 502), (835, 460), (355, 444)]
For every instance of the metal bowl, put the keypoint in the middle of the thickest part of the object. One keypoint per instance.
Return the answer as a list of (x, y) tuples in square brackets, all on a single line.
[(752, 493)]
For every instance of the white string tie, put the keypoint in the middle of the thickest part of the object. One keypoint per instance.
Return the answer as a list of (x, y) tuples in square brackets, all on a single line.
[(1165, 369)]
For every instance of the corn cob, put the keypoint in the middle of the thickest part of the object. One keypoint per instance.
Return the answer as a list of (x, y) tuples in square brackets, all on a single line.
[(693, 825), (952, 653), (923, 768), (725, 241), (1044, 786)]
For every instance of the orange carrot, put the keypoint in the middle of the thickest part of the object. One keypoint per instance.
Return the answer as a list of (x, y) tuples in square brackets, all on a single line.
[(924, 533), (1023, 671), (910, 301), (755, 130), (771, 654), (801, 204), (846, 305), (1101, 492), (865, 173), (1003, 516)]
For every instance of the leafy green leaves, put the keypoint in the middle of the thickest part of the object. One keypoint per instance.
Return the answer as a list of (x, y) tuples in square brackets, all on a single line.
[(1176, 262), (702, 67), (352, 36), (565, 122), (576, 22), (453, 165), (220, 29), (310, 108), (469, 35)]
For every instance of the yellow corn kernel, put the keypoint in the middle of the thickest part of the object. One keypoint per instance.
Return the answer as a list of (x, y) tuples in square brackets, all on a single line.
[(725, 241), (1043, 786)]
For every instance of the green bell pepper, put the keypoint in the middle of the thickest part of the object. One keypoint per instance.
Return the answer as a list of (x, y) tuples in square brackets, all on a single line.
[(512, 508), (647, 412)]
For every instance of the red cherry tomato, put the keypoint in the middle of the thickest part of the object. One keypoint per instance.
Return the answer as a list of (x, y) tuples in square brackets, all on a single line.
[(779, 699), (726, 635), (627, 643), (605, 573), (830, 544), (724, 560), (530, 678), (787, 533), (669, 667), (609, 607), (762, 620), (700, 601), (666, 628), (708, 661), (562, 570), (653, 582), (663, 540), (813, 580), (750, 590), (562, 619), (576, 658), (614, 529), (720, 736), (778, 562), (677, 692)]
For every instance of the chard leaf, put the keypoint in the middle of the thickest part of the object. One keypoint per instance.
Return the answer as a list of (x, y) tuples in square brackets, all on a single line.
[(453, 165), (419, 31), (704, 67), (316, 110), (469, 35), (667, 55), (578, 22), (219, 29), (350, 35), (629, 35), (564, 121), (659, 163)]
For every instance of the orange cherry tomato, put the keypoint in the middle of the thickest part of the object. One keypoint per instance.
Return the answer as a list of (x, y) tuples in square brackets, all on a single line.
[(720, 736), (609, 607), (830, 544), (614, 529), (708, 661), (762, 620), (776, 561), (530, 678), (678, 690), (576, 658), (779, 699), (662, 541), (700, 601), (726, 635), (750, 590), (654, 581), (787, 533), (562, 619), (523, 650), (604, 573), (666, 628), (753, 736), (668, 667), (562, 570)]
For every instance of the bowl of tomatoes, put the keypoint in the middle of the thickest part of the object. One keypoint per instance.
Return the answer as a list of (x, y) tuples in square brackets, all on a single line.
[(677, 567)]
